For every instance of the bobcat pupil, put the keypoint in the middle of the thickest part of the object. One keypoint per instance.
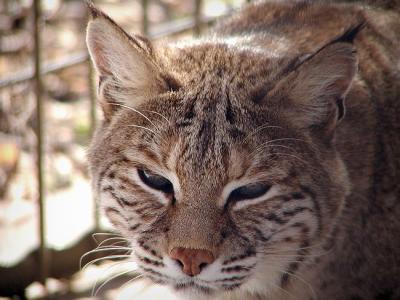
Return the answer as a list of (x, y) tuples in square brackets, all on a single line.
[(250, 191), (156, 182)]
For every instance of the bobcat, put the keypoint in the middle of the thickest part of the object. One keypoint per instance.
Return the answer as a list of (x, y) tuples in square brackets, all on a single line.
[(261, 161)]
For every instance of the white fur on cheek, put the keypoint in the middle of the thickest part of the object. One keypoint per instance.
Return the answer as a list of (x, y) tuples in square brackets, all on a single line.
[(173, 269), (212, 272), (265, 278)]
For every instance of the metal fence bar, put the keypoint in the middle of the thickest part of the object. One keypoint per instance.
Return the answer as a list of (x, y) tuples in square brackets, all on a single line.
[(58, 65), (145, 17), (177, 27), (160, 31), (43, 258), (197, 16), (6, 6)]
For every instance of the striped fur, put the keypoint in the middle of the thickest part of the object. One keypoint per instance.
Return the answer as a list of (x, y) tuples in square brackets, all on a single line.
[(259, 100)]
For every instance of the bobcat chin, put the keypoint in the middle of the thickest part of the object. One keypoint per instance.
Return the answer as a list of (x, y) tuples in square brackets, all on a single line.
[(261, 161)]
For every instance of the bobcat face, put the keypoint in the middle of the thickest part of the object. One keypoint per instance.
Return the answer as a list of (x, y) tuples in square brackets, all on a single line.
[(215, 160)]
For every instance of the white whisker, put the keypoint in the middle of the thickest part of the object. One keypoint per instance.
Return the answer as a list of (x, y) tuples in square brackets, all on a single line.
[(130, 281), (259, 128), (94, 293), (263, 147), (284, 139), (104, 258), (142, 127), (277, 259), (103, 243), (108, 247), (301, 248), (282, 289), (268, 254), (157, 113), (303, 281), (102, 249), (110, 267), (94, 235), (135, 110)]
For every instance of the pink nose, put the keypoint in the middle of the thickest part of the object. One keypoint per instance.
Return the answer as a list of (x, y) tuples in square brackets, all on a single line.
[(192, 260)]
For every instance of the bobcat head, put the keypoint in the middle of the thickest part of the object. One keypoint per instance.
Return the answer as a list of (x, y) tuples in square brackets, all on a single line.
[(216, 157)]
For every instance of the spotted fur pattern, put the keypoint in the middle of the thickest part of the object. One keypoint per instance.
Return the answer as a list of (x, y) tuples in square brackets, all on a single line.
[(261, 99)]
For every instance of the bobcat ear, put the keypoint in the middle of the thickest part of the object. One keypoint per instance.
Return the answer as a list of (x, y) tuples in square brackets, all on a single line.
[(126, 66), (322, 83), (316, 89)]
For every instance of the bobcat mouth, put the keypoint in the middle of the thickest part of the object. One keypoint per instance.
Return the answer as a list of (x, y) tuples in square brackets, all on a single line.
[(215, 278), (196, 285), (193, 285)]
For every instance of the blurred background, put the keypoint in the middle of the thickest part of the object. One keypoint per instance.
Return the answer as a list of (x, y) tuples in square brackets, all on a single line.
[(48, 110)]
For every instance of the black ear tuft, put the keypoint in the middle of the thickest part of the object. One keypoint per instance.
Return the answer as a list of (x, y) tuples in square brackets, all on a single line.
[(93, 11), (350, 34)]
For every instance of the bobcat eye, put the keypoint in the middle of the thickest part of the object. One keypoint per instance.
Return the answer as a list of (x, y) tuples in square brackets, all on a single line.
[(250, 191), (155, 181)]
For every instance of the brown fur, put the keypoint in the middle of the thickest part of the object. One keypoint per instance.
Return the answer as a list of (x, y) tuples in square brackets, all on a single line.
[(261, 99)]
